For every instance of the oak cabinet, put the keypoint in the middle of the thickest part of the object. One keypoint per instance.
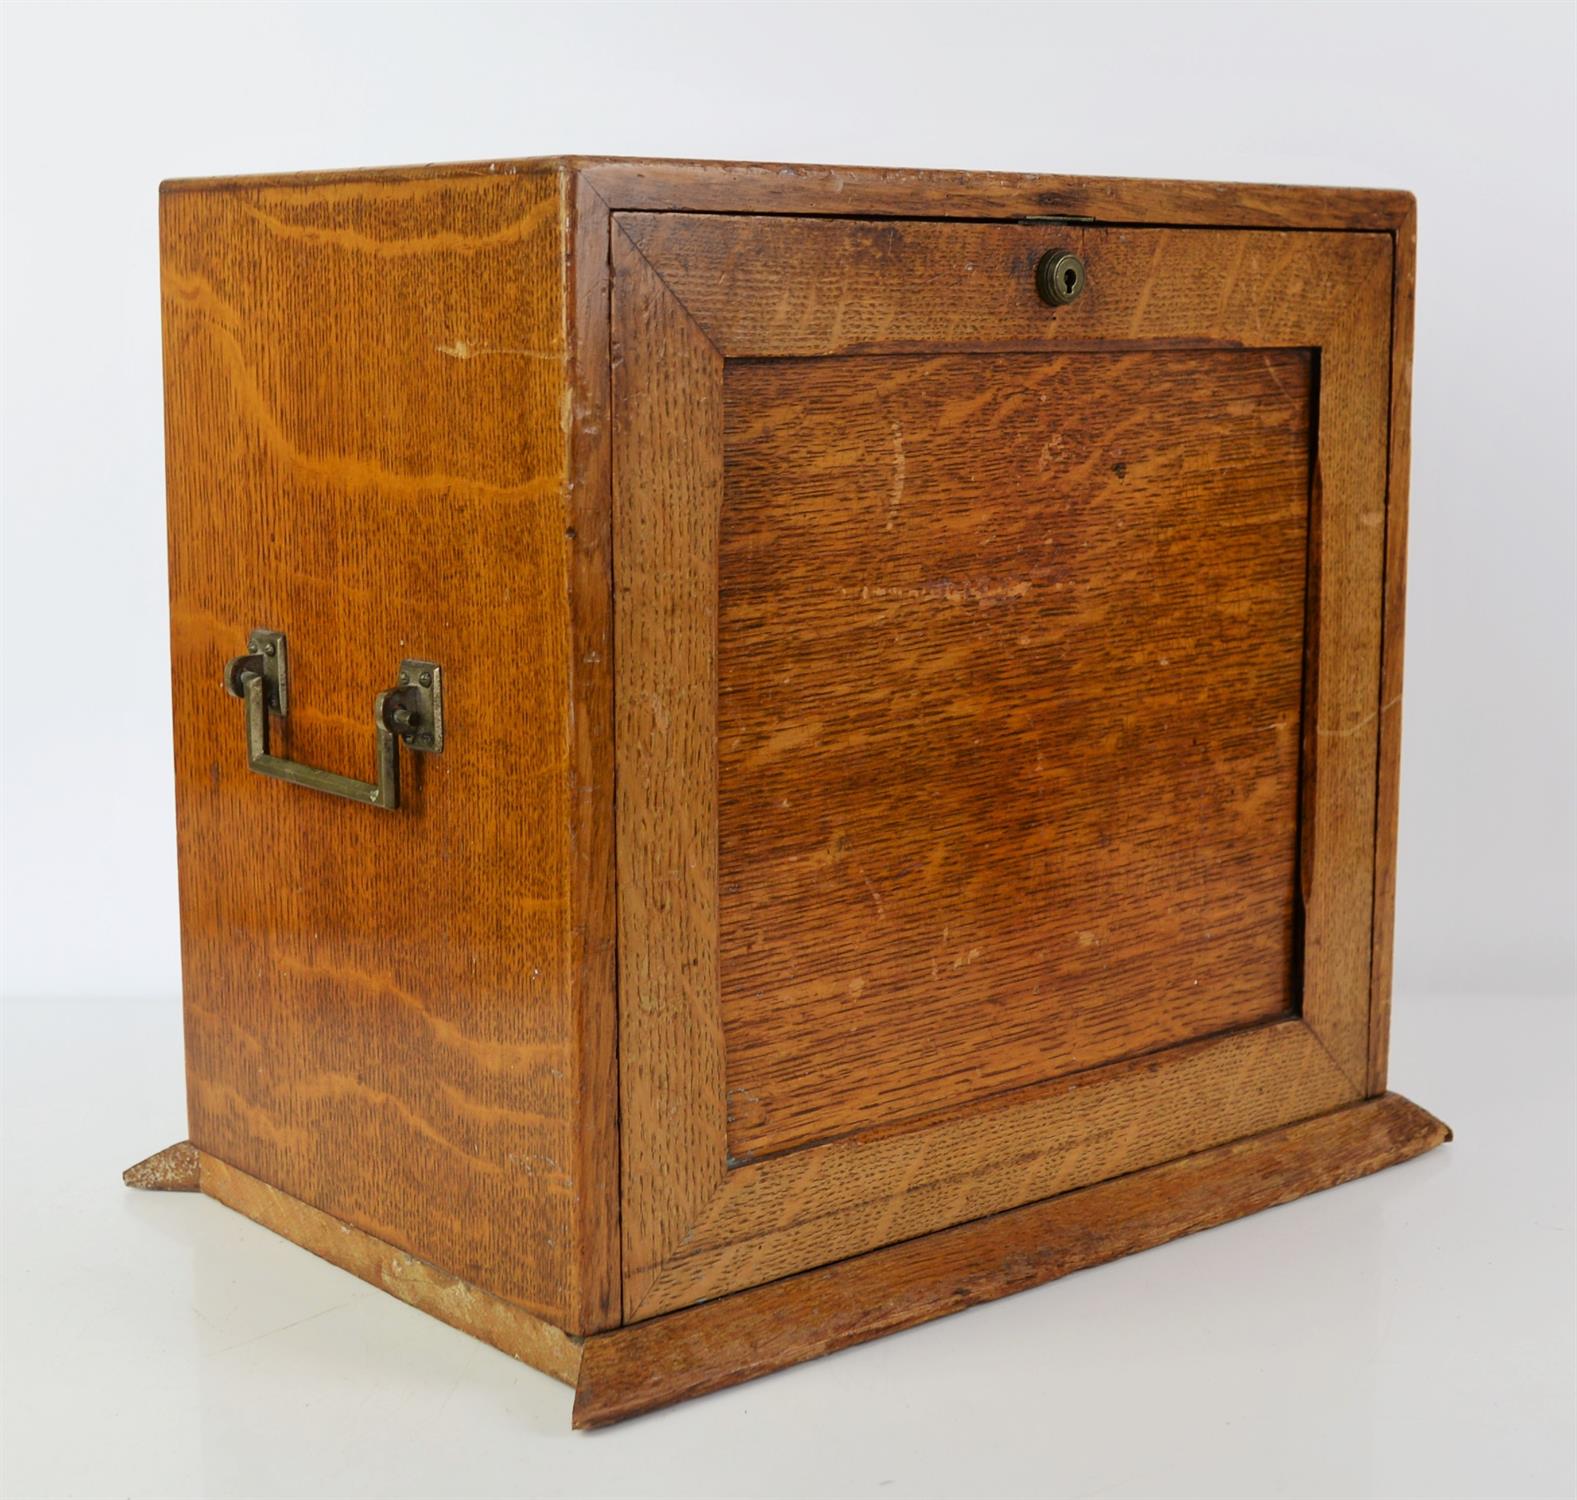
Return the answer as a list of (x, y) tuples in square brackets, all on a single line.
[(882, 695)]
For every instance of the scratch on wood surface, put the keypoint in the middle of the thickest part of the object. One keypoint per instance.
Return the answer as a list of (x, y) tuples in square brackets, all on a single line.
[(1353, 728), (533, 1163), (1295, 399), (460, 349), (899, 466), (192, 293), (1142, 301), (1229, 284), (956, 593)]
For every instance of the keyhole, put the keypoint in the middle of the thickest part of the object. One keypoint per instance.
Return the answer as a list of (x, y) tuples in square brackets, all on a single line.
[(1059, 277)]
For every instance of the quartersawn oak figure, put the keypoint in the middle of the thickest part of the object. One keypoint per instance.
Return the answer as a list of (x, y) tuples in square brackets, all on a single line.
[(916, 661)]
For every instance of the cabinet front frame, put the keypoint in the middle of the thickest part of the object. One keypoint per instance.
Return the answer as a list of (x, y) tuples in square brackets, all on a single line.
[(688, 293)]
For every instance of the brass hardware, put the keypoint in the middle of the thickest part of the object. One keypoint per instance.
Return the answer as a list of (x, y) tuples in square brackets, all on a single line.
[(1059, 278), (412, 712)]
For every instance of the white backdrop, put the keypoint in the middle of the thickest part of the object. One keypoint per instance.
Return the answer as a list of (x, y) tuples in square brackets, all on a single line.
[(1425, 1318), (1472, 108)]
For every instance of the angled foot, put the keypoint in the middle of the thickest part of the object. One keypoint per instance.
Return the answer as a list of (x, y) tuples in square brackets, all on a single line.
[(172, 1170)]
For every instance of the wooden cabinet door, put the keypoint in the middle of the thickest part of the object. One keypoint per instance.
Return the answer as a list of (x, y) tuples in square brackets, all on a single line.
[(997, 698)]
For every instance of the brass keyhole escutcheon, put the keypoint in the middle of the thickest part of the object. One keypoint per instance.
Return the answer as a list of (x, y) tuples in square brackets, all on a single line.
[(1059, 278)]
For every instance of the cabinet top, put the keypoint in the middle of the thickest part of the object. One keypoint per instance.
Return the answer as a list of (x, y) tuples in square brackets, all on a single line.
[(782, 188)]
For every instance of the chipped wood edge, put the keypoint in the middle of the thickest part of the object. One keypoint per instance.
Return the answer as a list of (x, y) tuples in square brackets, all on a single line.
[(176, 1169), (640, 1368), (447, 1297)]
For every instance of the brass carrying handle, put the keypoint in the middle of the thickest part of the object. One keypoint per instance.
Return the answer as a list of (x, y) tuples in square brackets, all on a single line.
[(413, 712)]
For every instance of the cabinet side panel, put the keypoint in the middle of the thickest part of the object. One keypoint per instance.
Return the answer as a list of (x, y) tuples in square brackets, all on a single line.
[(367, 451)]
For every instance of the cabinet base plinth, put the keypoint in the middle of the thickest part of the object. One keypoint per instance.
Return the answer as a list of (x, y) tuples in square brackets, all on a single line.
[(624, 1372)]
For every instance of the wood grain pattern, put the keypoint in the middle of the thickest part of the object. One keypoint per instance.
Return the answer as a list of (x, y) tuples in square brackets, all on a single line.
[(774, 287), (857, 288), (606, 438), (667, 444), (638, 1369), (415, 1282), (786, 188), (1404, 289), (387, 1016), (1341, 728), (782, 187), (808, 1207), (1010, 690), (593, 914)]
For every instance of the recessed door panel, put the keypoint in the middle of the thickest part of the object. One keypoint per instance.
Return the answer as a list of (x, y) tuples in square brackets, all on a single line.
[(1010, 671)]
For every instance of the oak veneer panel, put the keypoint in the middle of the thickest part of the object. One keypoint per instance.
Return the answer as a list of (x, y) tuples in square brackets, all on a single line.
[(1010, 691), (366, 449)]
